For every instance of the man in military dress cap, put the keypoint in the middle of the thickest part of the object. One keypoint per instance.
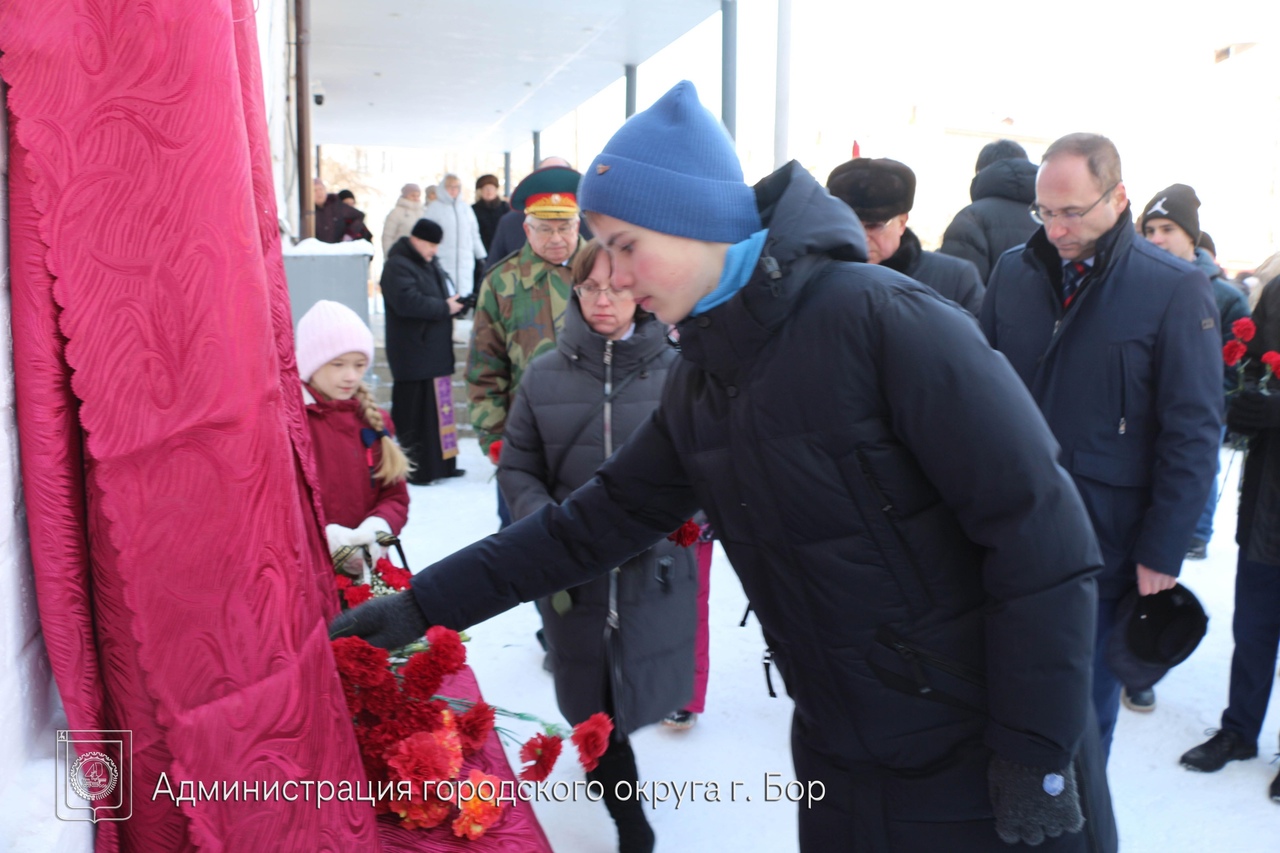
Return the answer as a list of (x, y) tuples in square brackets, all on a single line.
[(521, 303)]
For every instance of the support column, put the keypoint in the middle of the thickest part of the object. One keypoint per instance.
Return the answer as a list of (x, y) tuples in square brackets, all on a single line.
[(631, 89), (729, 65), (782, 94), (302, 75), (506, 174), (537, 148)]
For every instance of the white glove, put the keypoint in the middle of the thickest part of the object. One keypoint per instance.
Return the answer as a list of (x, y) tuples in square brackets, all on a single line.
[(367, 534), (338, 536)]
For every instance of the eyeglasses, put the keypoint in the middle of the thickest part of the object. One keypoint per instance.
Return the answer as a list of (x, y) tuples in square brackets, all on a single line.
[(1044, 216), (565, 230), (586, 293), (876, 227)]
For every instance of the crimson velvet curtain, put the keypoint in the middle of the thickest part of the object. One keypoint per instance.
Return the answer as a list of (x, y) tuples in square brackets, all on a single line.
[(181, 576)]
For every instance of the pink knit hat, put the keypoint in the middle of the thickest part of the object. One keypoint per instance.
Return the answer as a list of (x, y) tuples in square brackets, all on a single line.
[(328, 330)]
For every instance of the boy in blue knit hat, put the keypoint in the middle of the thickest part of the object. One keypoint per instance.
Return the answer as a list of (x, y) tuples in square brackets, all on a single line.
[(887, 491)]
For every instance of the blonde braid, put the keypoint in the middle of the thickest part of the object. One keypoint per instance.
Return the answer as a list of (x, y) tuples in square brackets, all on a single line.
[(395, 466)]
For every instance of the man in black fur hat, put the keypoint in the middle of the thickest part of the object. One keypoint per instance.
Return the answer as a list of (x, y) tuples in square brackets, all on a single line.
[(882, 192)]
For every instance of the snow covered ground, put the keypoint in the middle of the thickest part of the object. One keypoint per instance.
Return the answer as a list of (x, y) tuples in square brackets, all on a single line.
[(743, 735)]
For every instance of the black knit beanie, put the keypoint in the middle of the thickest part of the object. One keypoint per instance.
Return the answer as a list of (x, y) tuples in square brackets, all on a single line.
[(1178, 203)]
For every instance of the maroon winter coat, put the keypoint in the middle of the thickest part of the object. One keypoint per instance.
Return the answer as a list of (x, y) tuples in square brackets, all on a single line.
[(348, 492)]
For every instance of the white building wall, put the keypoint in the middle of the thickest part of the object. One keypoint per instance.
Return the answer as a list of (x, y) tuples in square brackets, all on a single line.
[(29, 705)]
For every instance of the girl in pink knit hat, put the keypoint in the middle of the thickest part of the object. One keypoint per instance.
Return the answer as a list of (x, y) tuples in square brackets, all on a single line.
[(361, 468)]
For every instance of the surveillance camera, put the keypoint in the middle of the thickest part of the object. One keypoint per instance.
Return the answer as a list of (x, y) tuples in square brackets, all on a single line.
[(317, 93), (318, 97)]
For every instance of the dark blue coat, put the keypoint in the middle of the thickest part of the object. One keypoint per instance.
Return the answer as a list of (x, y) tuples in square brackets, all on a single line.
[(922, 567), (1130, 381)]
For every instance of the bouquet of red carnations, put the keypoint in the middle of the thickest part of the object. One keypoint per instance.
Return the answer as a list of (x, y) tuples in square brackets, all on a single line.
[(1235, 350), (413, 742), (368, 577)]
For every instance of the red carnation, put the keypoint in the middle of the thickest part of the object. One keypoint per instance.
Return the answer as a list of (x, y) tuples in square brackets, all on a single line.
[(447, 649), (357, 594), (422, 676), (1232, 352), (360, 663), (540, 753), (591, 737), (343, 581), (392, 575), (1244, 329), (686, 535), (425, 757), (1271, 359), (474, 727), (495, 451)]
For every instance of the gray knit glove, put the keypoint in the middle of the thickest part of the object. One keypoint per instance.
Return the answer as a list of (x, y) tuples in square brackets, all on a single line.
[(388, 621), (1032, 803)]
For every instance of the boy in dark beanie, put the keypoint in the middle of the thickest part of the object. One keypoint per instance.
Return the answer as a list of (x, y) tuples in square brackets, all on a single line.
[(849, 435), (1171, 220)]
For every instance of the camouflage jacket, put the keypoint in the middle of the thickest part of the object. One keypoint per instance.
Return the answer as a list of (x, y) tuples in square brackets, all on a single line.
[(519, 310)]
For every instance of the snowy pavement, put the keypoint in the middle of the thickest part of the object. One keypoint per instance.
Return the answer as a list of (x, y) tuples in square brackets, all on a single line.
[(743, 735)]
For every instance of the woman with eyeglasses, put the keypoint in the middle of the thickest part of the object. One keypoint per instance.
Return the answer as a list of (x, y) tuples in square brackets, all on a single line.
[(575, 406)]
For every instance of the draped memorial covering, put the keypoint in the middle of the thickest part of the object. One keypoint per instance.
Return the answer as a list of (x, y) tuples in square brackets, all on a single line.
[(181, 574)]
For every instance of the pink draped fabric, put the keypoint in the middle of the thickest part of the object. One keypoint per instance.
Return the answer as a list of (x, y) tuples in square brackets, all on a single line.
[(181, 576)]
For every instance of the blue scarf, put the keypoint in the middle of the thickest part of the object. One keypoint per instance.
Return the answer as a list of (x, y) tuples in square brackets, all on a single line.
[(739, 261)]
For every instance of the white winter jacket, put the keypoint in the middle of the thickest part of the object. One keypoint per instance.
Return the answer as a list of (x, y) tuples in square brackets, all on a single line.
[(461, 246)]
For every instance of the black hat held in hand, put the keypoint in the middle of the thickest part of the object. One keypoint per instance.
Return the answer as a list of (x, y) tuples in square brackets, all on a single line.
[(1153, 634)]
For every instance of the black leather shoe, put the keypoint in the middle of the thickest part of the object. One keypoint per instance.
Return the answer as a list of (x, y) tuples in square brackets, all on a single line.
[(1142, 701), (1199, 549), (1212, 755), (457, 472), (1275, 788)]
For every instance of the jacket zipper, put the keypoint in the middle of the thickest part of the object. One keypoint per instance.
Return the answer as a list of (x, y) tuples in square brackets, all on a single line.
[(886, 507), (613, 622), (608, 405), (1122, 391)]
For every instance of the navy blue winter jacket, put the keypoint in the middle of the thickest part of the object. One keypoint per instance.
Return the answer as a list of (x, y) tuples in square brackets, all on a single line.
[(1130, 381), (890, 500)]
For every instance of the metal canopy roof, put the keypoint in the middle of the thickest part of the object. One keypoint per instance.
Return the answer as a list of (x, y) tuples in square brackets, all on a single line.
[(475, 73)]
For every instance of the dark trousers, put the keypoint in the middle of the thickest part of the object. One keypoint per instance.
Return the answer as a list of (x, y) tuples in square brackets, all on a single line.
[(1106, 687), (413, 407), (1256, 628)]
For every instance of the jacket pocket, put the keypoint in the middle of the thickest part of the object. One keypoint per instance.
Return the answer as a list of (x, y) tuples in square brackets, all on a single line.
[(1126, 471), (911, 669)]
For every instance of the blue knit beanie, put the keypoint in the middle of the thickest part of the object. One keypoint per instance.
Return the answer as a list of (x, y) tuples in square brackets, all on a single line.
[(673, 169)]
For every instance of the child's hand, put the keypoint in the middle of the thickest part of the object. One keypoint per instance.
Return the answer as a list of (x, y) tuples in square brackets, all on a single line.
[(367, 533), (339, 536)]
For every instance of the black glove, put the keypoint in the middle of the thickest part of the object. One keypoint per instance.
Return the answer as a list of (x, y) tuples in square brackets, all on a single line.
[(1251, 411), (388, 621), (1033, 803)]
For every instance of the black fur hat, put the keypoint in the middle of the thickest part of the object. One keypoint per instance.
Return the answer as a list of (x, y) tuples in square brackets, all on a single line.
[(1153, 634), (429, 230), (877, 190)]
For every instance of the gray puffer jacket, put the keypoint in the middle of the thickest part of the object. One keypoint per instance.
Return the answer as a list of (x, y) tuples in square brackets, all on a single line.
[(649, 657)]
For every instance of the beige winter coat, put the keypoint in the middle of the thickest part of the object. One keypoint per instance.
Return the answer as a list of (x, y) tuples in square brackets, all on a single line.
[(399, 222)]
